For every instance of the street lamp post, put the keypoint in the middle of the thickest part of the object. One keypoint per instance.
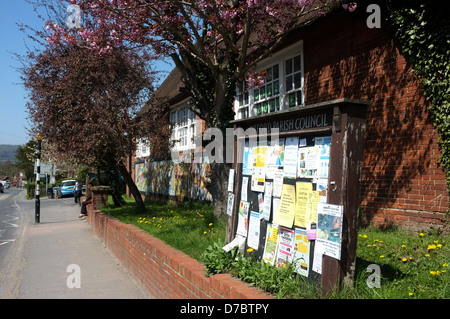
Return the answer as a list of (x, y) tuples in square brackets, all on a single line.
[(37, 213)]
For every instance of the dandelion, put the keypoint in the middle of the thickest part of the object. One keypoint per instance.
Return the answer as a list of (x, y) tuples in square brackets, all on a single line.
[(382, 256), (403, 246), (427, 255), (431, 247), (439, 245), (249, 250), (404, 260), (205, 232), (210, 224), (445, 265), (364, 236), (410, 294), (421, 234)]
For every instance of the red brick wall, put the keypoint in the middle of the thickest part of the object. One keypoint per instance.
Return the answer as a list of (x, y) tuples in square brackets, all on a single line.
[(164, 271), (401, 182)]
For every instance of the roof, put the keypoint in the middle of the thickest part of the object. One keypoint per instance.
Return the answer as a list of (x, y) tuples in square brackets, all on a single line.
[(169, 90)]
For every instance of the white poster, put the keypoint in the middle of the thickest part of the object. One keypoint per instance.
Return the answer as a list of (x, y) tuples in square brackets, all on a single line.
[(275, 206), (285, 253), (329, 228), (247, 161), (253, 230), (274, 157), (230, 204), (290, 157), (243, 219), (278, 182), (231, 180), (323, 143), (317, 260), (267, 201), (244, 188)]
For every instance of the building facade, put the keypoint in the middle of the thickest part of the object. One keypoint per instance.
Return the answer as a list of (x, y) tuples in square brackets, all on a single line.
[(340, 57)]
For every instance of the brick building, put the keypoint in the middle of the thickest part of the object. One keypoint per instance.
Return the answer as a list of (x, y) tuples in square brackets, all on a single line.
[(339, 56)]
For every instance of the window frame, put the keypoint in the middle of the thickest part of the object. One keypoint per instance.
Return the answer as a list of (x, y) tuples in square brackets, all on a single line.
[(279, 58), (183, 122)]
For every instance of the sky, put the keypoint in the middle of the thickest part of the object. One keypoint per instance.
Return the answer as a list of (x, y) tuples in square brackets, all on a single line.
[(13, 116), (13, 96)]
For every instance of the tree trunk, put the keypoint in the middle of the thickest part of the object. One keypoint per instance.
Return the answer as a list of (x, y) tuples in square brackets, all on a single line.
[(133, 188), (218, 187)]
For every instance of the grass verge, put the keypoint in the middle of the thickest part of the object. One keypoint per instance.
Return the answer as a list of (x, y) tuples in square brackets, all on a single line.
[(188, 227), (411, 265)]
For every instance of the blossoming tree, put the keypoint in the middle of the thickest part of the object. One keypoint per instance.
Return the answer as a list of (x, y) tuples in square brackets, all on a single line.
[(214, 43)]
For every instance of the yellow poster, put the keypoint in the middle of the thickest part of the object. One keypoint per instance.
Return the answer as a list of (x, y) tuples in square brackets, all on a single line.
[(286, 209), (259, 169), (311, 213), (303, 194), (271, 246)]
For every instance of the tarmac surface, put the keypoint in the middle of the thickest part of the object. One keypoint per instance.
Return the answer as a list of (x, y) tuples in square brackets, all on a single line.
[(61, 258)]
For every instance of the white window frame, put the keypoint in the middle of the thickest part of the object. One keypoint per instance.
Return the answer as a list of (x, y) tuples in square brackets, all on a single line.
[(183, 123), (279, 58), (142, 148)]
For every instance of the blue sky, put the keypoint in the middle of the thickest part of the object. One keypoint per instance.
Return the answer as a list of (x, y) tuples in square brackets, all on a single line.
[(13, 122), (13, 96)]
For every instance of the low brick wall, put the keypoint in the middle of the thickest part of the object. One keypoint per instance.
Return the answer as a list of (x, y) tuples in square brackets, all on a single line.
[(166, 272)]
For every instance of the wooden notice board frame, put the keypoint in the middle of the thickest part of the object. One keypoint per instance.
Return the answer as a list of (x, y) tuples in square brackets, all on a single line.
[(343, 120)]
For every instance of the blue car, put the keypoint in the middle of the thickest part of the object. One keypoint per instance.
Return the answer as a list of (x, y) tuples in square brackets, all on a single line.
[(68, 187)]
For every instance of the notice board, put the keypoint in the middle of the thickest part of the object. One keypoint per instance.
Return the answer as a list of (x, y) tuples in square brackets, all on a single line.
[(281, 208)]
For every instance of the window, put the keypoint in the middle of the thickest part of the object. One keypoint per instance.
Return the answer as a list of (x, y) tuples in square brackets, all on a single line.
[(282, 89), (243, 101), (267, 97), (183, 121), (293, 82), (142, 148)]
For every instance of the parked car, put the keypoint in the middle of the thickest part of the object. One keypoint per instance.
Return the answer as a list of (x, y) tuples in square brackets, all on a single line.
[(68, 187)]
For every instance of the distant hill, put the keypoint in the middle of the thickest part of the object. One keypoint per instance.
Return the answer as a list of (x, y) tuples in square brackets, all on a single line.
[(8, 152)]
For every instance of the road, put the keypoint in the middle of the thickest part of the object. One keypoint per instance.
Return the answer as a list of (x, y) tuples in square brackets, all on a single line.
[(11, 242), (9, 222), (35, 257)]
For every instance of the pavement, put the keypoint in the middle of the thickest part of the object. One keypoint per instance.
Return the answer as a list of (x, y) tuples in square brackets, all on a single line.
[(61, 258)]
